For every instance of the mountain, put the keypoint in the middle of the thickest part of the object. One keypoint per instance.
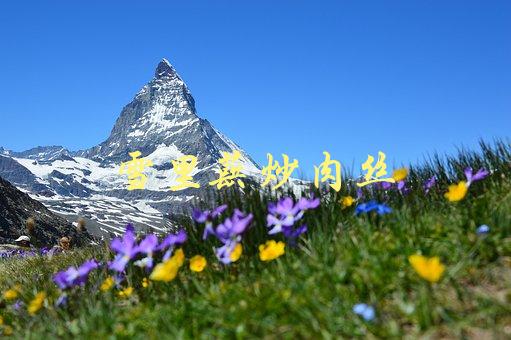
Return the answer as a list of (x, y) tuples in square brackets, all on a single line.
[(162, 123), (16, 207)]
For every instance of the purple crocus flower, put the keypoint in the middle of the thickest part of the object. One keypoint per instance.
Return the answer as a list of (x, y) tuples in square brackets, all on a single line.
[(385, 185), (233, 226), (125, 248), (403, 189), (229, 233), (207, 217), (147, 246), (61, 300), (74, 276), (170, 242), (360, 193), (285, 213), (430, 183), (479, 175), (223, 253)]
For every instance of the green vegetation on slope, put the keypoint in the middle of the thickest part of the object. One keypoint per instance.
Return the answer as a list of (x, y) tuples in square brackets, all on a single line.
[(310, 291)]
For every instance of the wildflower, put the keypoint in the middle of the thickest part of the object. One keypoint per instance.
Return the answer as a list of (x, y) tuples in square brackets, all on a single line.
[(107, 284), (482, 229), (145, 282), (62, 300), (74, 276), (8, 330), (399, 174), (229, 233), (11, 294), (198, 263), (430, 269), (37, 303), (207, 217), (285, 213), (381, 209), (271, 250), (147, 246), (236, 253), (167, 270), (479, 175), (365, 311), (179, 257), (403, 189), (17, 305), (126, 292), (125, 248), (170, 241), (456, 191), (346, 201), (385, 185), (429, 183), (1, 320)]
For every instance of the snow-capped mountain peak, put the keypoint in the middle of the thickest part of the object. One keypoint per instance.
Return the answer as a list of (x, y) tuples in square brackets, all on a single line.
[(162, 123)]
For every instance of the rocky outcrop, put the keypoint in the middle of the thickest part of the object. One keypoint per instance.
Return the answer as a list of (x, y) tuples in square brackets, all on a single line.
[(16, 207)]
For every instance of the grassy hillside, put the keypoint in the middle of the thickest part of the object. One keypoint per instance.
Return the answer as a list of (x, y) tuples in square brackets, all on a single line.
[(310, 291)]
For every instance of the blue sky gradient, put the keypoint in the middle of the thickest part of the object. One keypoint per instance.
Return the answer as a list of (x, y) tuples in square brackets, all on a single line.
[(300, 77)]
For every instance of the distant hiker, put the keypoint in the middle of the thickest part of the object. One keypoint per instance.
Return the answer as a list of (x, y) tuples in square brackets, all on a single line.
[(64, 245), (23, 241)]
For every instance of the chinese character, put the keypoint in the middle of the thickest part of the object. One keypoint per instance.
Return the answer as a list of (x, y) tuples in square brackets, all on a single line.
[(286, 170), (134, 168), (326, 172), (380, 166), (183, 167), (230, 171)]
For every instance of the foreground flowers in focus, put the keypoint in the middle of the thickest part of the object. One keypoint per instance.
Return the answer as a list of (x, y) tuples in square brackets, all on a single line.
[(197, 263), (456, 192), (167, 270), (429, 269), (271, 250)]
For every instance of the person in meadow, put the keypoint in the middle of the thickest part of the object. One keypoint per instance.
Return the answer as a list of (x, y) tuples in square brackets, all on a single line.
[(63, 245)]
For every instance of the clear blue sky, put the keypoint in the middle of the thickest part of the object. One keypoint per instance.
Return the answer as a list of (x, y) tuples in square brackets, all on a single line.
[(351, 77)]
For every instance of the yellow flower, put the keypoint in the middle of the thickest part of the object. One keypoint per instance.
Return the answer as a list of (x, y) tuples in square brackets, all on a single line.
[(399, 174), (236, 253), (346, 201), (271, 250), (10, 294), (167, 271), (197, 263), (37, 303), (126, 292), (1, 320), (428, 268), (8, 330), (145, 282), (456, 191), (107, 284), (179, 257)]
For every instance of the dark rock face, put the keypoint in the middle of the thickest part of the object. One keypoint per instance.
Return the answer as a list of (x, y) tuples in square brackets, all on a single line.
[(17, 173), (16, 207)]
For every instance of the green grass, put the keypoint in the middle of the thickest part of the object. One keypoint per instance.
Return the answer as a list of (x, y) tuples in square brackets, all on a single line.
[(310, 291)]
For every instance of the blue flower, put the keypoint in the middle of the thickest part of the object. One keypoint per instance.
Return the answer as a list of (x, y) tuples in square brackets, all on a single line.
[(365, 311), (381, 209), (482, 229)]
